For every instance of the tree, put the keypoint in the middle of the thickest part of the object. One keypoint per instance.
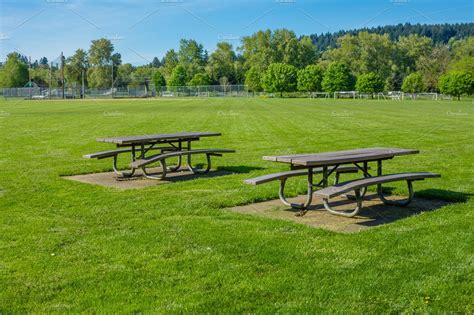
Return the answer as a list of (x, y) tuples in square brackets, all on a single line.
[(432, 66), (155, 63), (75, 66), (43, 62), (99, 77), (395, 80), (364, 53), (457, 83), (100, 58), (463, 54), (224, 81), (14, 72), (307, 52), (281, 46), (338, 77), (142, 76), (124, 75), (284, 47), (221, 63), (40, 76), (440, 34), (370, 83), (239, 71), (309, 79), (159, 79), (200, 79), (170, 61), (191, 56), (178, 77), (100, 52), (253, 79), (413, 83), (256, 50), (280, 77), (412, 48)]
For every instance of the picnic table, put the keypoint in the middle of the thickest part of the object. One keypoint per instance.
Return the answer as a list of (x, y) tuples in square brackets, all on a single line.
[(169, 146), (339, 162)]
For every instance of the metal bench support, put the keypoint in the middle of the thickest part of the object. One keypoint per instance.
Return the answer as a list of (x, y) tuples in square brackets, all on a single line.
[(343, 213), (158, 177), (121, 173), (309, 195), (402, 203), (197, 170)]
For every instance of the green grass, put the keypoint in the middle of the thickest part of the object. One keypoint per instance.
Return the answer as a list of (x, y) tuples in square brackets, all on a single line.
[(67, 246)]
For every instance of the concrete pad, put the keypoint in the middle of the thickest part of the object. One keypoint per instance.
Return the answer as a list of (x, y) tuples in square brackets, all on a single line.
[(374, 212), (110, 179)]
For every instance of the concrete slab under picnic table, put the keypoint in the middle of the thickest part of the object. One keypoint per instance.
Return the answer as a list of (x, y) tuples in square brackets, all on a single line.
[(109, 179), (375, 212)]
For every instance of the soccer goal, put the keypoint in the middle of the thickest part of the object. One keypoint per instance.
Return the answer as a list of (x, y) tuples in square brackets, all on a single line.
[(203, 94), (345, 94), (319, 95)]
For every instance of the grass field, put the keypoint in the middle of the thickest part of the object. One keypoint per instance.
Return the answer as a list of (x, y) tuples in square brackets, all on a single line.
[(67, 246)]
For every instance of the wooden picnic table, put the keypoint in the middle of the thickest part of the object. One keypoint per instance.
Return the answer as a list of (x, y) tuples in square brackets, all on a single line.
[(327, 163), (340, 157), (158, 138), (140, 145)]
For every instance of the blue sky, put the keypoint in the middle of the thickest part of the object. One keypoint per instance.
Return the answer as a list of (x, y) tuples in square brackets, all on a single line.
[(141, 30)]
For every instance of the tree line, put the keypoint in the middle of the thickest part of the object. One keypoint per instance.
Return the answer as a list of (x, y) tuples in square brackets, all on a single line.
[(440, 34), (276, 62)]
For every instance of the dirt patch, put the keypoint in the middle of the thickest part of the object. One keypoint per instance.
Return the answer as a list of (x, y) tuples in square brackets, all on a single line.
[(373, 214), (110, 179)]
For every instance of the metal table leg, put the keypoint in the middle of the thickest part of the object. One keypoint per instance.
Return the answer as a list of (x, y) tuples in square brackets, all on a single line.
[(176, 167), (162, 175), (196, 170), (344, 213), (309, 196), (121, 173)]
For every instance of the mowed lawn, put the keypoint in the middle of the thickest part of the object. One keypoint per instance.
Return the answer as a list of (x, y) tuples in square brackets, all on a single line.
[(67, 246)]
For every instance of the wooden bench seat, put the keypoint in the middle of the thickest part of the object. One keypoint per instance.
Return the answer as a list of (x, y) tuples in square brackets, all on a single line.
[(112, 153), (284, 175), (161, 157), (358, 184), (341, 188)]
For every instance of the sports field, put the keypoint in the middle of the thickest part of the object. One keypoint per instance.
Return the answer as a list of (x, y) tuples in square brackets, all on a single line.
[(67, 246)]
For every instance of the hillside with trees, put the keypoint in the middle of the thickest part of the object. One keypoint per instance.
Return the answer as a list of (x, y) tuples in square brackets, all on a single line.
[(439, 33), (411, 58)]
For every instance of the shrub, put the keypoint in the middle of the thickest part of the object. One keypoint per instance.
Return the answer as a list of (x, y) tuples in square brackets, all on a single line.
[(200, 79), (309, 79), (178, 76), (370, 83), (159, 79), (253, 79), (280, 77), (338, 77), (413, 83), (457, 83)]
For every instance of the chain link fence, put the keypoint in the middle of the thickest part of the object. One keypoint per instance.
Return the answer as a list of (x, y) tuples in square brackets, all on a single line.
[(127, 92), (203, 91), (144, 91)]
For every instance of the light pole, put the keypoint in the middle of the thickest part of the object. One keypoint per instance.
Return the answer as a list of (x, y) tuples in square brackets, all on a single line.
[(112, 78)]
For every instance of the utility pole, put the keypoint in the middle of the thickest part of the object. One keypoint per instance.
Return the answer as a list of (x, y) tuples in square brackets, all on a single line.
[(62, 71), (50, 79), (29, 76), (29, 70), (112, 78), (83, 86)]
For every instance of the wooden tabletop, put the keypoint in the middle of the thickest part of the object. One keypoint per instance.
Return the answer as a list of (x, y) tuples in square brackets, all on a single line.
[(340, 157), (144, 139)]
